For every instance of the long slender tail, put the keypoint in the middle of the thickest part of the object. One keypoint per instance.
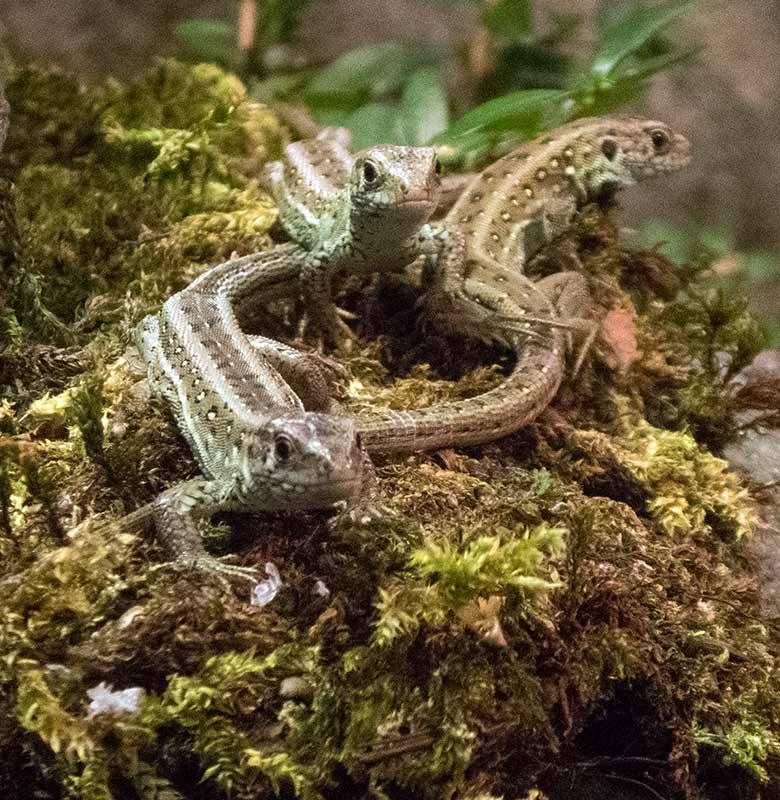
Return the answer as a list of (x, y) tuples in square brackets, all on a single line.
[(511, 405)]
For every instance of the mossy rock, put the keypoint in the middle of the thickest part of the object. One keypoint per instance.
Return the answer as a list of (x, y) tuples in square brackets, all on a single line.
[(573, 597)]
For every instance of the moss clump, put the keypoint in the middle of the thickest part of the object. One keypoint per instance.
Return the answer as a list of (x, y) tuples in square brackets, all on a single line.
[(145, 174), (467, 645)]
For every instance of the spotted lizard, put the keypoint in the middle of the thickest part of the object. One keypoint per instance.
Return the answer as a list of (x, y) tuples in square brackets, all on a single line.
[(257, 448), (362, 213), (516, 206)]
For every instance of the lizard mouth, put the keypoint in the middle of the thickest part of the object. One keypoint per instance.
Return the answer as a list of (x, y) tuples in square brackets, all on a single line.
[(415, 202), (332, 486)]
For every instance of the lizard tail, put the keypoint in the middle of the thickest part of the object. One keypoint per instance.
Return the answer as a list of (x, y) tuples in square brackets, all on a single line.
[(511, 405)]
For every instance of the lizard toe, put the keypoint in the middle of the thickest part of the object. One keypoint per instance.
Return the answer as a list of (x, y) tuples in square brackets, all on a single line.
[(218, 568)]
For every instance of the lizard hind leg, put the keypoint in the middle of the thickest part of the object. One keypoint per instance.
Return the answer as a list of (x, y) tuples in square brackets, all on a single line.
[(571, 298), (310, 375), (496, 315)]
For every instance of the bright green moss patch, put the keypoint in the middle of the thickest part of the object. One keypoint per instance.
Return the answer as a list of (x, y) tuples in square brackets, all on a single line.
[(132, 172), (515, 596)]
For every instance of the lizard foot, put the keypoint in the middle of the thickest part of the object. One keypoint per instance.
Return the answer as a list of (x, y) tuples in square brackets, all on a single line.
[(330, 334), (361, 514), (219, 568), (334, 372)]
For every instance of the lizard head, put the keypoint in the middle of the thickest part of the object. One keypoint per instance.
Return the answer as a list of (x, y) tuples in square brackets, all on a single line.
[(307, 461), (628, 150), (396, 187)]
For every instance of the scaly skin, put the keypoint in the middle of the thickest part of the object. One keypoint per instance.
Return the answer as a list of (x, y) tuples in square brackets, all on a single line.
[(259, 277), (257, 448), (363, 213), (524, 200)]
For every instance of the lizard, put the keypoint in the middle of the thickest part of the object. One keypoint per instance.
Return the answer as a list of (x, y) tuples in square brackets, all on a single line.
[(478, 290), (520, 203), (257, 447), (370, 218)]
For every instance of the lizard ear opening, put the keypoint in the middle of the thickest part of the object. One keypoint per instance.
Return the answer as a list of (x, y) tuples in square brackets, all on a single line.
[(609, 147)]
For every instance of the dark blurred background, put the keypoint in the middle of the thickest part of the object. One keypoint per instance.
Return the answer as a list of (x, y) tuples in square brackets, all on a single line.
[(727, 99)]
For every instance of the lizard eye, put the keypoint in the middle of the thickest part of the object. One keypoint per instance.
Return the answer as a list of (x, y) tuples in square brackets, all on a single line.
[(660, 139), (370, 173), (282, 448)]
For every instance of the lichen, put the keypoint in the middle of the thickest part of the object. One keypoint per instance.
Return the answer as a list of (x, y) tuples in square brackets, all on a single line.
[(465, 645)]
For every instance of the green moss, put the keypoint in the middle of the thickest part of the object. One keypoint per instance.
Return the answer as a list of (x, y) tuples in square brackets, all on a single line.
[(179, 144), (443, 581)]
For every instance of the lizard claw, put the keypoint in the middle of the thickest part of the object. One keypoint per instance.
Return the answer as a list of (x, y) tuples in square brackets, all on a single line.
[(219, 568), (344, 314), (361, 515), (333, 334)]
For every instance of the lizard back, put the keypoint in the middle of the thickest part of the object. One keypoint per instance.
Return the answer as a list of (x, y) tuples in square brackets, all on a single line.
[(218, 392), (309, 182), (515, 206)]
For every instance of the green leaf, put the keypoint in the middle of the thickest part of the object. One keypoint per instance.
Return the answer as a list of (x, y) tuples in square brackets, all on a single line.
[(372, 124), (631, 29), (270, 89), (366, 72), (423, 112), (510, 19), (762, 266), (525, 112), (604, 95), (647, 67), (332, 116), (208, 40), (525, 66), (278, 20)]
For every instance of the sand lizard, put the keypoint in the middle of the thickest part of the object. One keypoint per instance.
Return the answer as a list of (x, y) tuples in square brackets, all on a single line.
[(257, 447), (514, 207), (261, 276), (361, 213)]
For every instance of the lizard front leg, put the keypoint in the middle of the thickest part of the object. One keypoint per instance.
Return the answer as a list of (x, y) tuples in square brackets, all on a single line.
[(443, 275), (365, 507), (323, 322), (180, 513)]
